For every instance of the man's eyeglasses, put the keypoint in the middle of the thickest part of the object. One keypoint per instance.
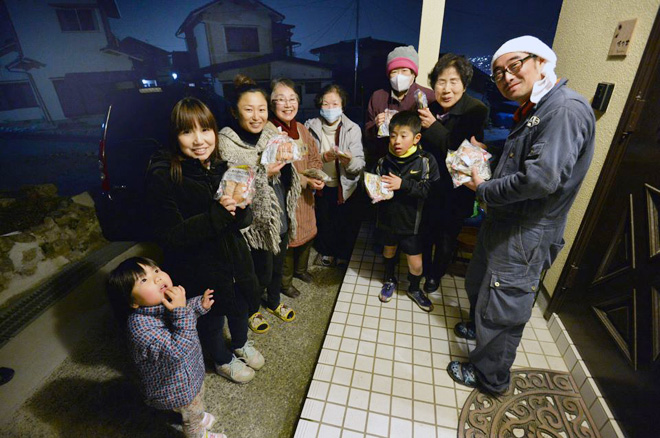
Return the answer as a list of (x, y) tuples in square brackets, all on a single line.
[(512, 68), (280, 101)]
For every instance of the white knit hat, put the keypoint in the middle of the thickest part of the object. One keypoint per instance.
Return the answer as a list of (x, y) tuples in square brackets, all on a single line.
[(528, 44), (535, 46)]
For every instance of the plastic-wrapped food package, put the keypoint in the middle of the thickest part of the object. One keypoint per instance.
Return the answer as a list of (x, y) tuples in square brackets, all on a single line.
[(384, 129), (341, 153), (461, 161), (376, 188), (420, 98), (237, 182), (281, 149), (317, 174)]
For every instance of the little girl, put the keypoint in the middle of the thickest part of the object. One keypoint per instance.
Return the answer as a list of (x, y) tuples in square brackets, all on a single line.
[(201, 238), (163, 340)]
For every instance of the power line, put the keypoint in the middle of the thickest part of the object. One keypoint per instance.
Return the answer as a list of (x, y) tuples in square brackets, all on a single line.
[(332, 23)]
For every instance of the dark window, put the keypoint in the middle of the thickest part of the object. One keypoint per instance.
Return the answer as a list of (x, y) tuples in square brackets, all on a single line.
[(16, 95), (312, 87), (77, 20), (242, 39)]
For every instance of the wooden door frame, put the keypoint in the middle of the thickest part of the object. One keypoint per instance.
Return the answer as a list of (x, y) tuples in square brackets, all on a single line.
[(627, 125)]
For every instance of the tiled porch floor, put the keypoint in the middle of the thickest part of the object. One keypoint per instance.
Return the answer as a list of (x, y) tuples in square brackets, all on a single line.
[(381, 372)]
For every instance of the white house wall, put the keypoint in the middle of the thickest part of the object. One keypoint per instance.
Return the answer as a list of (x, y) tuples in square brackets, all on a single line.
[(203, 51), (227, 15), (41, 39)]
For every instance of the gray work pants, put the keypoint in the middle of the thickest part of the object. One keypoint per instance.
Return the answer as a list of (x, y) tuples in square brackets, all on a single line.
[(501, 282)]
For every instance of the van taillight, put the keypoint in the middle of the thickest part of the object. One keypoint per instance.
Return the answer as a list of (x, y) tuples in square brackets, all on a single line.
[(103, 167)]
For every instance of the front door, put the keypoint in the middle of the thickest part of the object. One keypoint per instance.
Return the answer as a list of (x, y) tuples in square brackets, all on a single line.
[(609, 293)]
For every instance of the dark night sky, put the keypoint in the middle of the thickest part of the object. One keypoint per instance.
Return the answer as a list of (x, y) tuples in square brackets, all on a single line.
[(471, 27)]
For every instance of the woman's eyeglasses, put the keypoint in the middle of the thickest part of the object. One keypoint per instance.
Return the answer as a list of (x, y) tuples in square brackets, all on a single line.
[(280, 101), (512, 68)]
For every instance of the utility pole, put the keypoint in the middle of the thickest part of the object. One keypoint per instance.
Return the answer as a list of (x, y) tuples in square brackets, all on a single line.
[(357, 50)]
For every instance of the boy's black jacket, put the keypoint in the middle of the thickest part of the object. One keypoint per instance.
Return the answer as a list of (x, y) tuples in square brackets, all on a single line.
[(403, 213)]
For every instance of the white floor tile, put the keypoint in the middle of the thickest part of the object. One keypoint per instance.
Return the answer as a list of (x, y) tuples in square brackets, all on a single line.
[(423, 412), (383, 366), (338, 394), (401, 428), (359, 398), (318, 390), (312, 410), (334, 414), (402, 407), (380, 403), (355, 419), (306, 429), (327, 431), (378, 424), (422, 430), (445, 396), (381, 384), (423, 392), (364, 363), (403, 354), (402, 388), (461, 397), (447, 416), (342, 376)]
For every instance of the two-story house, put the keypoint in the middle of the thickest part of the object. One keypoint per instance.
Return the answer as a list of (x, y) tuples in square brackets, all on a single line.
[(227, 37), (58, 59)]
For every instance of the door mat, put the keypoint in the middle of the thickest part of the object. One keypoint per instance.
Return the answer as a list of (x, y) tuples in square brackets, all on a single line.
[(538, 403)]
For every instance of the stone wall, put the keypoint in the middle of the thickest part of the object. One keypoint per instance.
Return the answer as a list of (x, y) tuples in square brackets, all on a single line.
[(49, 232)]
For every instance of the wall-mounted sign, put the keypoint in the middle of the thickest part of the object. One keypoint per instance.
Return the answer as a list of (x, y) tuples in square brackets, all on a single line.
[(622, 38)]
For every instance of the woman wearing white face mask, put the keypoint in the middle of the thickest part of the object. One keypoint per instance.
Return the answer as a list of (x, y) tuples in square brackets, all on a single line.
[(340, 144), (402, 70)]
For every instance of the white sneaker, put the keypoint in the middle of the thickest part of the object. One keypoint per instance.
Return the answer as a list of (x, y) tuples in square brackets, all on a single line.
[(207, 421), (251, 356), (237, 371), (215, 435)]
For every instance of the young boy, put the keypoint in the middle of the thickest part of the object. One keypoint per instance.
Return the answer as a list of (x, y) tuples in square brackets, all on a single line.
[(409, 172), (163, 340)]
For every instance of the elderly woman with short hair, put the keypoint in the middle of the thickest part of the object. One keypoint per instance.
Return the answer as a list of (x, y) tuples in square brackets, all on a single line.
[(451, 118), (340, 143)]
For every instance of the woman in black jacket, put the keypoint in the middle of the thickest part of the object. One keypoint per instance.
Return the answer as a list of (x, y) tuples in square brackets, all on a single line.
[(452, 118), (200, 237)]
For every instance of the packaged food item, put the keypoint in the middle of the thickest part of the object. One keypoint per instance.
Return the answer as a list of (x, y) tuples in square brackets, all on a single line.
[(317, 174), (376, 188), (341, 153), (461, 161), (384, 129), (280, 149), (237, 182), (420, 98)]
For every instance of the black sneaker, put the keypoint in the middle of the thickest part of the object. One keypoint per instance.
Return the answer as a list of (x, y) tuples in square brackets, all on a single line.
[(430, 285), (420, 299), (466, 330)]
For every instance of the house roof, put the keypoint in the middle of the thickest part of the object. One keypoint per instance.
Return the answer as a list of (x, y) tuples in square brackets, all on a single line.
[(351, 43), (258, 60), (24, 64), (110, 7), (193, 17), (140, 49)]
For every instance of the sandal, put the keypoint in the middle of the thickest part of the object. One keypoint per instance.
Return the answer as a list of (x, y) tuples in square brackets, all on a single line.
[(258, 323), (462, 373), (283, 312)]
